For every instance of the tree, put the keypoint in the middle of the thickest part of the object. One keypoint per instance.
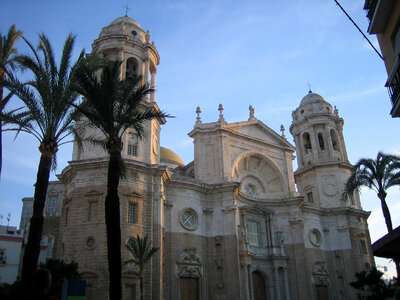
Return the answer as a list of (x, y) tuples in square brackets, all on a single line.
[(371, 286), (7, 55), (60, 271), (141, 250), (378, 175), (112, 106), (47, 115)]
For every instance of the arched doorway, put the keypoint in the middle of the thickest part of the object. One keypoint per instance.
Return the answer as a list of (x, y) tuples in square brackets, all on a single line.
[(259, 291)]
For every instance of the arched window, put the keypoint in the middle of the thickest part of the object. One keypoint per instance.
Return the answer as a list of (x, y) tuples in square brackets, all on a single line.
[(335, 140), (321, 142), (131, 67), (307, 142)]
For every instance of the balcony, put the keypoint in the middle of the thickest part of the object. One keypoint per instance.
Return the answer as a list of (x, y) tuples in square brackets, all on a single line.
[(370, 6), (378, 13), (393, 85)]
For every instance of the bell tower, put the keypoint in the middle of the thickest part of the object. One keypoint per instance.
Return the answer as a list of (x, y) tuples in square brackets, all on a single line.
[(125, 40), (323, 166)]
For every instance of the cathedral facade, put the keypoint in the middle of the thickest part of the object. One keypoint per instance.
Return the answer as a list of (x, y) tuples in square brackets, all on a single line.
[(236, 223)]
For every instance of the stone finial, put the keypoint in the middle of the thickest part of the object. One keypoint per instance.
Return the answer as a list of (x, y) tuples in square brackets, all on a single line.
[(283, 131), (198, 112), (148, 36), (251, 116), (221, 115), (336, 112)]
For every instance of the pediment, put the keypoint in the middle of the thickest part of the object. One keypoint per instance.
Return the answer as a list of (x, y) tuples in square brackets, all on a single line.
[(94, 193), (256, 210), (133, 195), (258, 130)]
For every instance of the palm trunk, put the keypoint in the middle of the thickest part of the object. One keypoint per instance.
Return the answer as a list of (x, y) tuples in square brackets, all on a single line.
[(388, 220), (113, 228), (1, 125), (385, 210), (141, 288), (32, 249)]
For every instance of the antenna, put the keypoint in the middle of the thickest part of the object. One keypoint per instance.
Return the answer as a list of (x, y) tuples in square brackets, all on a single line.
[(8, 219)]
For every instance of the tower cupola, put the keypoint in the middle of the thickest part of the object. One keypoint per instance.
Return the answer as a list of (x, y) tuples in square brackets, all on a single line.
[(317, 131)]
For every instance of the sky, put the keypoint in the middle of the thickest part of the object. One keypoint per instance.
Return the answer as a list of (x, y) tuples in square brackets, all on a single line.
[(237, 53)]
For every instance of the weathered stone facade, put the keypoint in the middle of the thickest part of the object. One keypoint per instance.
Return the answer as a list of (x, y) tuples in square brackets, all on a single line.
[(231, 224)]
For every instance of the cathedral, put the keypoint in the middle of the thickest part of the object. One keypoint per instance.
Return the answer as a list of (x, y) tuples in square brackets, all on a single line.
[(235, 223)]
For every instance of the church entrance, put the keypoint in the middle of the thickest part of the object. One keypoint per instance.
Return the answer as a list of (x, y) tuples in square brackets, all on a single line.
[(322, 292), (189, 288), (258, 287)]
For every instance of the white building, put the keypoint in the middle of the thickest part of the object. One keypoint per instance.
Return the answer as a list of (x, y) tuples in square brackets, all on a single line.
[(229, 225), (10, 251)]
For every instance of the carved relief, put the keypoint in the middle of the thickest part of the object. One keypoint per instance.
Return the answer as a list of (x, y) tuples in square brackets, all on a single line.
[(330, 186), (189, 264), (320, 273)]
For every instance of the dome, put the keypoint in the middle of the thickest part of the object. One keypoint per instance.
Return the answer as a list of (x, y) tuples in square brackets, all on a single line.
[(311, 98), (125, 19), (169, 157)]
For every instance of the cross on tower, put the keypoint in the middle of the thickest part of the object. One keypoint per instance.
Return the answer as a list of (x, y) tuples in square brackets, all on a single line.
[(126, 10)]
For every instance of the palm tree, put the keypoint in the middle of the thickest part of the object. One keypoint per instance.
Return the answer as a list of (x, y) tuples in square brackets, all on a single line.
[(141, 250), (378, 175), (7, 55), (47, 115), (112, 106)]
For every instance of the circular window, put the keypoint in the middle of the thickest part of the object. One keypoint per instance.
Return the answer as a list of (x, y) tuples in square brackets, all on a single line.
[(90, 242), (250, 190), (315, 237), (188, 219)]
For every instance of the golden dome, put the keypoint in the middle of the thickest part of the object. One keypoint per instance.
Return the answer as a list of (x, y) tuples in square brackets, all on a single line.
[(169, 157)]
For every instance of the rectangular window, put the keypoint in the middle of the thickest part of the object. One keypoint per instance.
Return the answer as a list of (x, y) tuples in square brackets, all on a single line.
[(66, 216), (132, 148), (133, 175), (363, 247), (52, 205), (310, 197), (130, 292), (2, 256), (132, 213), (253, 233), (92, 211)]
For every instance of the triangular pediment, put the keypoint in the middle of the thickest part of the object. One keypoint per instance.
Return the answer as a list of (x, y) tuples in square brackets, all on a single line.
[(259, 131), (93, 193), (133, 195), (256, 209)]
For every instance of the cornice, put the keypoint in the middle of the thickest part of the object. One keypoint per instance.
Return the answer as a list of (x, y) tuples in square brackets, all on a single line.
[(313, 167)]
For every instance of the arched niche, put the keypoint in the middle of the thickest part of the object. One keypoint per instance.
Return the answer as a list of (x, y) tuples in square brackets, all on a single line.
[(259, 173)]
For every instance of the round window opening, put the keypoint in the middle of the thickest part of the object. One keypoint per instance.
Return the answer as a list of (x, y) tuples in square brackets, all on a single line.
[(189, 219), (315, 237), (90, 242), (250, 190)]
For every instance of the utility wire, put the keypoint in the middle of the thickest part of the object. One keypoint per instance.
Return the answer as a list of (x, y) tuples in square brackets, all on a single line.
[(359, 29)]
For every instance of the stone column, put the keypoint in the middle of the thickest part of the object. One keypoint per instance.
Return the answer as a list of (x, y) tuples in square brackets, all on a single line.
[(277, 290), (285, 274), (146, 71), (342, 145), (300, 150), (329, 142), (153, 84), (314, 144), (245, 267)]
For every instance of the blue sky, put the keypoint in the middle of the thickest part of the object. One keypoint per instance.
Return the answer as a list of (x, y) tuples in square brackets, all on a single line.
[(237, 53)]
